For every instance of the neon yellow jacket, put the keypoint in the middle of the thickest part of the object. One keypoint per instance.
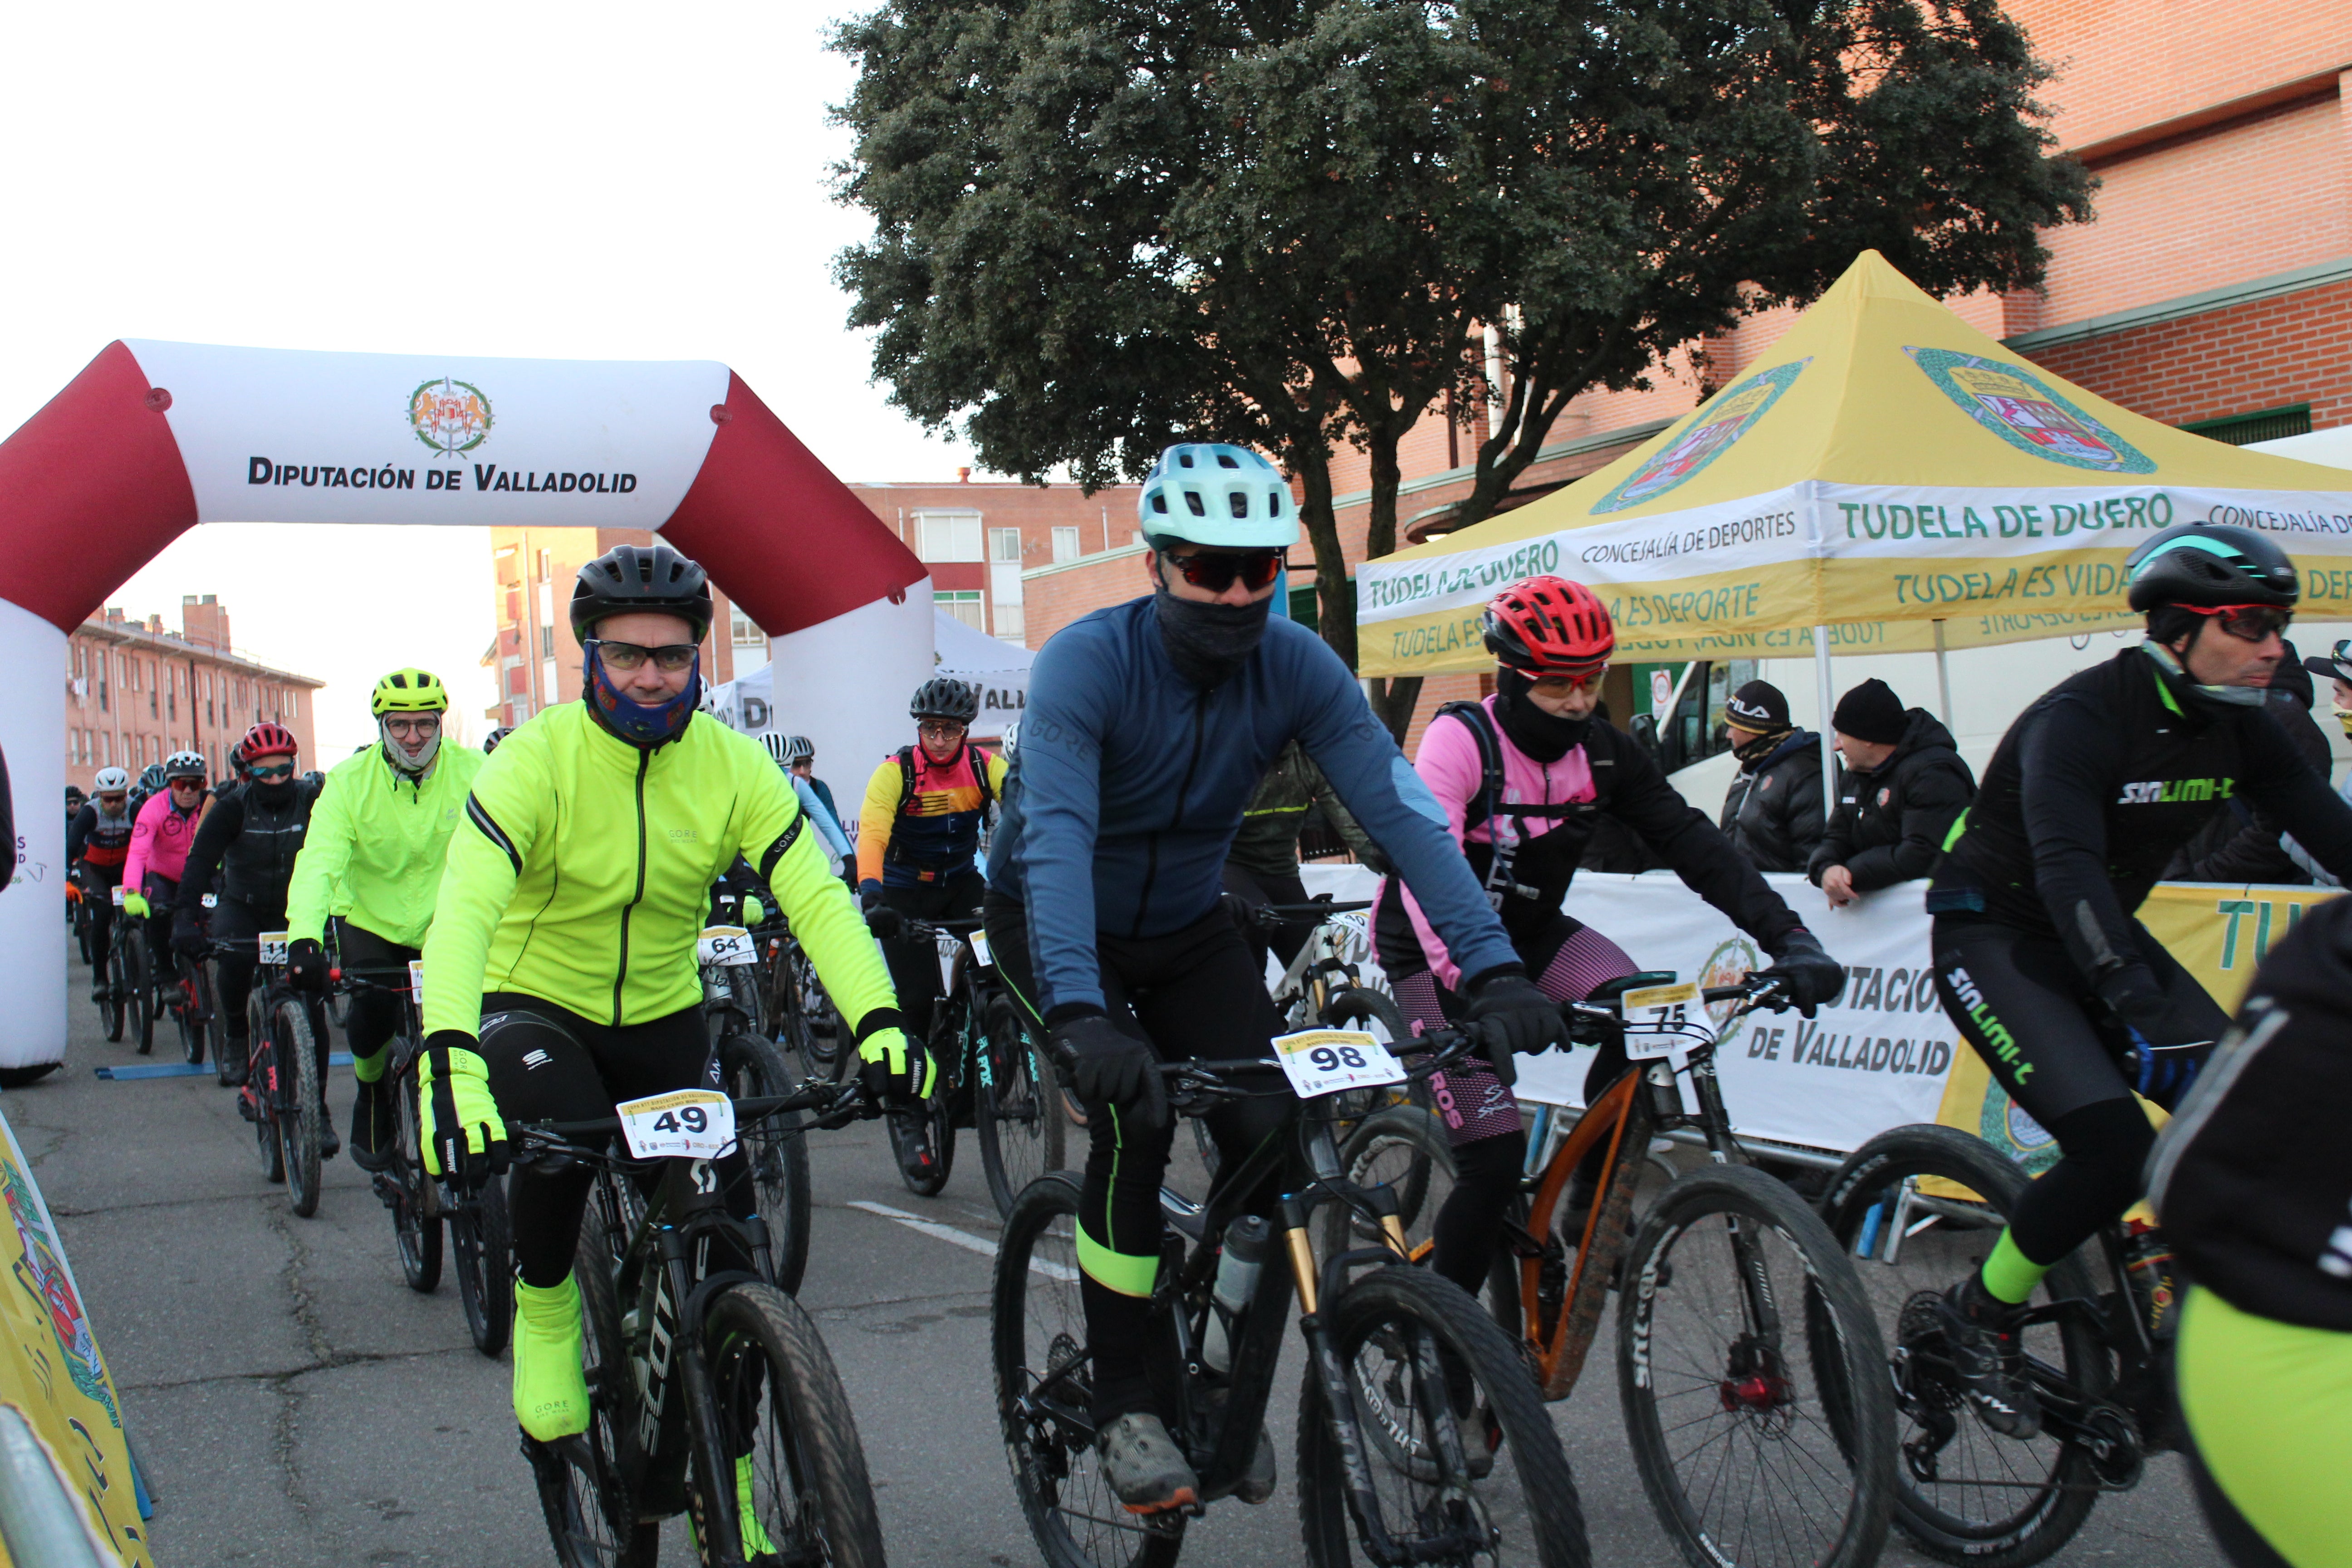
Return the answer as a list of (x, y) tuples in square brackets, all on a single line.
[(582, 876), (373, 850)]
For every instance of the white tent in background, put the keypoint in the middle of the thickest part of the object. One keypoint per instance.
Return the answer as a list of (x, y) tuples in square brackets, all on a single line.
[(998, 668)]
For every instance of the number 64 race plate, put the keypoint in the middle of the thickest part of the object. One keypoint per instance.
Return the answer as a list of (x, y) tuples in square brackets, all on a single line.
[(699, 1123), (725, 944), (1324, 1061)]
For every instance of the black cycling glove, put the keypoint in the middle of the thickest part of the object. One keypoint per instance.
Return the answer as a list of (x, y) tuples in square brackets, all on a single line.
[(306, 965), (1814, 978), (187, 935), (1108, 1066), (880, 918), (1511, 1016)]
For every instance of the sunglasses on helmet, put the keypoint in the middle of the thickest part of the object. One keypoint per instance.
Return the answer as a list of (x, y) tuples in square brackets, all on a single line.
[(1219, 570), (2248, 623)]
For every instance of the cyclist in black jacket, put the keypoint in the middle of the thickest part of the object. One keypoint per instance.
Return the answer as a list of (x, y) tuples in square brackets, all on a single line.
[(2068, 999)]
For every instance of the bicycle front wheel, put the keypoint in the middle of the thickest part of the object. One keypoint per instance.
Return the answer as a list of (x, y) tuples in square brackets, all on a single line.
[(416, 1234), (1038, 1336), (1404, 1147), (259, 1095), (1753, 1379), (480, 1235), (118, 986), (583, 1491), (799, 1490), (140, 998), (1463, 1461), (300, 1116), (778, 1152), (1021, 1127)]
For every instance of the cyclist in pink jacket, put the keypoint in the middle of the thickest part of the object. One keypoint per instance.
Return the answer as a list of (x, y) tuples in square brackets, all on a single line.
[(159, 851)]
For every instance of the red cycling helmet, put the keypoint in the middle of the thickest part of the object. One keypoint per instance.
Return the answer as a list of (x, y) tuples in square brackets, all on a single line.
[(267, 740), (1548, 626)]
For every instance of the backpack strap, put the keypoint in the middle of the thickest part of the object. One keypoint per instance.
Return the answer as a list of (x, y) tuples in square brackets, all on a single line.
[(1473, 717), (905, 777), (979, 761)]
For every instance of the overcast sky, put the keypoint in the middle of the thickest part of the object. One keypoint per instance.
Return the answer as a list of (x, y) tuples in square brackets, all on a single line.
[(572, 182)]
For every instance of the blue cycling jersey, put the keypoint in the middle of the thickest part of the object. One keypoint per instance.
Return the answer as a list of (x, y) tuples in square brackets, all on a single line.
[(1130, 783)]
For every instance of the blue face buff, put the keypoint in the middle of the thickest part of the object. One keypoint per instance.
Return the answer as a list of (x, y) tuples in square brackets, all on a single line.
[(638, 724)]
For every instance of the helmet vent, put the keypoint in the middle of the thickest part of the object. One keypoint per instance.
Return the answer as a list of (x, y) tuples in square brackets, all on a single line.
[(1224, 460), (1239, 503), (1159, 502), (1194, 503)]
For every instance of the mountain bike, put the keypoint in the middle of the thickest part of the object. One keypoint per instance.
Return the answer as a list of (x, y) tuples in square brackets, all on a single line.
[(993, 1078), (806, 1026), (422, 1204), (749, 1066), (1419, 1437), (188, 997), (284, 1093), (1918, 1208), (129, 981), (711, 1391), (1746, 1348)]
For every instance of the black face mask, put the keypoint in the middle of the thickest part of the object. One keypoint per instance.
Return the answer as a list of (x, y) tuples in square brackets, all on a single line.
[(1544, 736), (1761, 747), (1208, 643), (273, 795)]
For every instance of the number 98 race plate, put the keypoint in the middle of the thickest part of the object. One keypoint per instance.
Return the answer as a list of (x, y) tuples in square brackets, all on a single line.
[(1325, 1061), (699, 1123)]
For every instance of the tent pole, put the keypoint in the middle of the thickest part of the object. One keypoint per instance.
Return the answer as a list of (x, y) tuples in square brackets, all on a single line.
[(1829, 735), (1943, 676)]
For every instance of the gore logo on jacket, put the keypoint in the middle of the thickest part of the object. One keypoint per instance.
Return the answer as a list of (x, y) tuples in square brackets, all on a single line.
[(2173, 792)]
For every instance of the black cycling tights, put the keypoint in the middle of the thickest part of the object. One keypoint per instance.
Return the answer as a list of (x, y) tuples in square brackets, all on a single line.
[(550, 1064), (1196, 991), (915, 961), (371, 1019), (2022, 1006)]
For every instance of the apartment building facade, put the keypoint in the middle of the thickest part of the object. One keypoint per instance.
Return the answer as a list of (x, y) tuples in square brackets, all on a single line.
[(136, 693)]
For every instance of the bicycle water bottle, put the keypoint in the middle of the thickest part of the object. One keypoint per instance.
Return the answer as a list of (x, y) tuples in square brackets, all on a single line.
[(1237, 1270), (2148, 1264)]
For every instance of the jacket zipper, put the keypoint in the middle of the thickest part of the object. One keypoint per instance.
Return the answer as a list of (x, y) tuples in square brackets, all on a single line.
[(621, 975), (1183, 789)]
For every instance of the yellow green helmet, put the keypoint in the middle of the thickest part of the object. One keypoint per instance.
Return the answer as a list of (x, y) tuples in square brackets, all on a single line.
[(409, 692)]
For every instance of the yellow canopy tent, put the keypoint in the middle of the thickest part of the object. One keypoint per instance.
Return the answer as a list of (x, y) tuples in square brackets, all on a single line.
[(1888, 480)]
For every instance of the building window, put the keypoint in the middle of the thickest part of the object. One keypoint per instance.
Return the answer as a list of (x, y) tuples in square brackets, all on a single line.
[(546, 566), (744, 630), (106, 744), (1004, 545), (1009, 622), (965, 607), (1065, 545), (947, 535), (547, 642), (2269, 424)]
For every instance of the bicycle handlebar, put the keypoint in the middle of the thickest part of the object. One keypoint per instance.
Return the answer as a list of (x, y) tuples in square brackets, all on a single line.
[(840, 1103)]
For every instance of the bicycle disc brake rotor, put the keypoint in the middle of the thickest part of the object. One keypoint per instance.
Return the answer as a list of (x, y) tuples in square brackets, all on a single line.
[(1755, 1383)]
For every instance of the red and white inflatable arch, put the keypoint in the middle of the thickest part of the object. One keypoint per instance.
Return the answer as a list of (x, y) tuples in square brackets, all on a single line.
[(153, 438)]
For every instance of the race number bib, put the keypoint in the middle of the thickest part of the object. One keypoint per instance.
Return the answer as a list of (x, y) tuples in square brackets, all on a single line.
[(121, 893), (1654, 1018), (1324, 1061), (695, 1123), (417, 980), (725, 944), (273, 947), (980, 950)]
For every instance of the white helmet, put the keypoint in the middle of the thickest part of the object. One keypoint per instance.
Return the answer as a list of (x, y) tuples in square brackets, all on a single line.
[(1221, 497), (110, 781), (185, 765)]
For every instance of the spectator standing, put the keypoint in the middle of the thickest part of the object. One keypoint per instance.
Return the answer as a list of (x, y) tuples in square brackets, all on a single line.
[(2240, 844), (1772, 812), (1900, 787)]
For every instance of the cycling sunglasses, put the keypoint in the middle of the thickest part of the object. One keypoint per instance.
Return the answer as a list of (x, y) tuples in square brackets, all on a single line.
[(629, 655), (272, 772), (1219, 570), (2248, 623)]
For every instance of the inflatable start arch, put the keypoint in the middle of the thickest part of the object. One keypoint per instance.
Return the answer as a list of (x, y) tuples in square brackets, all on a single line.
[(155, 437)]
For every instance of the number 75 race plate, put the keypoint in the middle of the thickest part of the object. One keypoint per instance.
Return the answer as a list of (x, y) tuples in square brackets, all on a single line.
[(1324, 1061), (699, 1123), (1650, 1017)]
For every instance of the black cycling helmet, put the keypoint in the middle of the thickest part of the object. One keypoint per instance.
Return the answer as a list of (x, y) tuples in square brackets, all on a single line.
[(631, 577), (945, 697), (491, 741), (2208, 565), (74, 795)]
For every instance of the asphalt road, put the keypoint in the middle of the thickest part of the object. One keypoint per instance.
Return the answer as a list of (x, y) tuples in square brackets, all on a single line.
[(294, 1404)]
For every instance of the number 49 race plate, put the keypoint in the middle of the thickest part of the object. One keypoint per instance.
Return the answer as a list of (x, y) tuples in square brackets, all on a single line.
[(697, 1124), (1650, 1016), (1324, 1061)]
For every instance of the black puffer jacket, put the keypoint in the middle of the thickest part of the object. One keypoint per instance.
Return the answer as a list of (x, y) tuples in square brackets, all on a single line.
[(1891, 822), (1772, 812)]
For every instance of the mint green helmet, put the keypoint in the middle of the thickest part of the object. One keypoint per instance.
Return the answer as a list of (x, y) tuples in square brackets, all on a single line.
[(1219, 496)]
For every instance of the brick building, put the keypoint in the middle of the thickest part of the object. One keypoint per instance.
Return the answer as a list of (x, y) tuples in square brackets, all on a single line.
[(136, 693)]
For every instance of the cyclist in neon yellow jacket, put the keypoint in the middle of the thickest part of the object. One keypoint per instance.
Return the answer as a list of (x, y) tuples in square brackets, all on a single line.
[(559, 974), (371, 860)]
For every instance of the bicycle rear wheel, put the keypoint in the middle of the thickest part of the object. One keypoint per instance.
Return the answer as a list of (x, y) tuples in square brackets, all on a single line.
[(1021, 1126), (300, 1117), (416, 1235), (479, 1235), (1404, 1148), (584, 1491), (1037, 1335), (800, 1492), (1752, 1377), (194, 1012), (1919, 1207), (1432, 1376), (778, 1152), (923, 1140)]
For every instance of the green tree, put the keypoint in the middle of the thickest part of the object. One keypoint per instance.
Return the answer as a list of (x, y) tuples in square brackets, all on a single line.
[(1103, 225)]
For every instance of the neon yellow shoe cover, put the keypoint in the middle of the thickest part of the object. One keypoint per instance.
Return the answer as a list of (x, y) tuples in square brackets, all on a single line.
[(755, 1537), (551, 1392)]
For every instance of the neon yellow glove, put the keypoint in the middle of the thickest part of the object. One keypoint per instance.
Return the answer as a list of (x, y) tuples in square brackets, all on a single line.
[(893, 1069), (755, 913), (460, 1127), (136, 904)]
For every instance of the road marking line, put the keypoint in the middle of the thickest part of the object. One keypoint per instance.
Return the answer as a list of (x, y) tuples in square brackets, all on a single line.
[(963, 1239)]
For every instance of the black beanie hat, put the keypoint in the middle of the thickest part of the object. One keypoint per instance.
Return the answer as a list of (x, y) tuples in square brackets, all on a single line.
[(1759, 705), (1870, 713)]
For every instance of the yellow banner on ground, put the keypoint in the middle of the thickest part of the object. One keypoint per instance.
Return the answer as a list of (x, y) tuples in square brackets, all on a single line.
[(51, 1369), (2218, 932)]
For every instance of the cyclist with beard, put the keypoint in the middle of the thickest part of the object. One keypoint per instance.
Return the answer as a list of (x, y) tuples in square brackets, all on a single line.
[(1523, 777), (372, 864), (1147, 729), (249, 840), (561, 962), (2041, 965)]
